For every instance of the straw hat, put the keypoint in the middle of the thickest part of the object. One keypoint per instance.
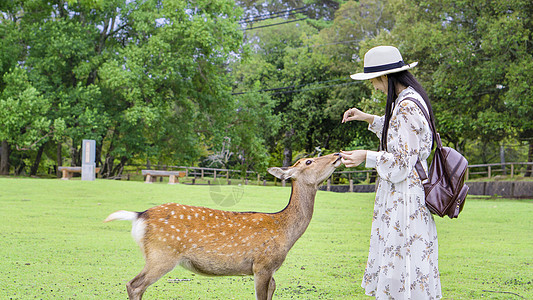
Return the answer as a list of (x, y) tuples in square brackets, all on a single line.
[(382, 60)]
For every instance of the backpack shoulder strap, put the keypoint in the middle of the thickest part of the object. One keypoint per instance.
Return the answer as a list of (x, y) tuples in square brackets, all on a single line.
[(436, 138)]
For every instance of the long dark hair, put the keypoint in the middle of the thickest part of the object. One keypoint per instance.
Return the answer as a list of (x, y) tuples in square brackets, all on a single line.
[(407, 79)]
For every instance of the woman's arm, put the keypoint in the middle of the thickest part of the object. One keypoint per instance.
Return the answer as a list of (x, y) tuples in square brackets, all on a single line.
[(404, 143), (354, 114)]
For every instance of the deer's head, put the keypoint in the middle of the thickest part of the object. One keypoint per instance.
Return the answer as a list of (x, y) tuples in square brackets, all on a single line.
[(311, 171)]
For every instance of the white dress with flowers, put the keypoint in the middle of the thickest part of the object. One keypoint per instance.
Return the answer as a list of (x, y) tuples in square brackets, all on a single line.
[(403, 256)]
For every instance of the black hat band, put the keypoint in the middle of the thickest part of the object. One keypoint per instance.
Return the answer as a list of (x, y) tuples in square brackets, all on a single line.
[(384, 67)]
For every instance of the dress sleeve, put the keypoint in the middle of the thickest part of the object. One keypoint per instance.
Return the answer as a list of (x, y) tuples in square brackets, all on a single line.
[(377, 125), (404, 140)]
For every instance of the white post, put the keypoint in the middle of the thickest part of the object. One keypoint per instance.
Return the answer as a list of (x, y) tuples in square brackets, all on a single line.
[(88, 165)]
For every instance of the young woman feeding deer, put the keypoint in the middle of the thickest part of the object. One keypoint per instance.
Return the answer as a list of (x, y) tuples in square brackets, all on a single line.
[(403, 256), (214, 242)]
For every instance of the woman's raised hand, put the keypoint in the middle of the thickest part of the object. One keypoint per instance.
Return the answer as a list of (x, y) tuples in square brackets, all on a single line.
[(355, 114)]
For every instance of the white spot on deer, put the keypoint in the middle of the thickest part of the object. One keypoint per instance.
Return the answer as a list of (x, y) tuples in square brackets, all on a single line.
[(189, 217), (172, 212), (196, 215), (181, 217), (172, 226)]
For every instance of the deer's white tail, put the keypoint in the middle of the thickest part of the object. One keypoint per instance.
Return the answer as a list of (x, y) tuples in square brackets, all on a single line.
[(138, 224), (122, 215)]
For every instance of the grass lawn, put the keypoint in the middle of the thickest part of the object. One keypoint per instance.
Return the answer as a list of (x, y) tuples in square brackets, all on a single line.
[(53, 244)]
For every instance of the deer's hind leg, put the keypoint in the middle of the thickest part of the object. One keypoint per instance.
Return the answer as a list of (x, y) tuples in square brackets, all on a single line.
[(154, 269)]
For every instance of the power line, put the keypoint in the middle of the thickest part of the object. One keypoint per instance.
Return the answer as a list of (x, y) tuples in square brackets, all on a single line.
[(317, 88), (301, 85), (268, 18), (291, 87), (314, 46), (275, 24), (273, 15)]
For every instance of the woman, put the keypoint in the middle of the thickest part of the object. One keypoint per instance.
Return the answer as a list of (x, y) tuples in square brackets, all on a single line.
[(403, 256)]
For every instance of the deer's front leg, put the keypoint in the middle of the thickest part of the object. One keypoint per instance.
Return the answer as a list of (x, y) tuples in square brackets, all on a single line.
[(264, 284), (271, 288)]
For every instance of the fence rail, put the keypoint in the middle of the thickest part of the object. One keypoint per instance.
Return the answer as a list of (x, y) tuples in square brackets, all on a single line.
[(511, 169), (344, 177)]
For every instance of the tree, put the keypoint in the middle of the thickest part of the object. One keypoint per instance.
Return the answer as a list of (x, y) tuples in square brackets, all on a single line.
[(145, 79), (469, 51), (23, 113)]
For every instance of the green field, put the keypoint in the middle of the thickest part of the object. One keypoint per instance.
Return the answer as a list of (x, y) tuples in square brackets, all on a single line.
[(54, 245)]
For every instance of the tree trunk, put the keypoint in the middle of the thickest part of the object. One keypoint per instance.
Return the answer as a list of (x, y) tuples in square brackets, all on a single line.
[(98, 154), (75, 155), (35, 166), (117, 170), (59, 159), (287, 151), (529, 172), (502, 159), (19, 170), (107, 168), (4, 159), (287, 157)]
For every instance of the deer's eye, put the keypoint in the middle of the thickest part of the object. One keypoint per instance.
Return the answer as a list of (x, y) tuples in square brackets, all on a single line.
[(308, 162)]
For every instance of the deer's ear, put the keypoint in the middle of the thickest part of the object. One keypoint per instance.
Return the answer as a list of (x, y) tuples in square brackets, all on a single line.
[(282, 173)]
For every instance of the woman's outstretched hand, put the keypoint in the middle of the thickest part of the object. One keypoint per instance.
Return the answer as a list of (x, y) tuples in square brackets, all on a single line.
[(353, 158), (353, 114)]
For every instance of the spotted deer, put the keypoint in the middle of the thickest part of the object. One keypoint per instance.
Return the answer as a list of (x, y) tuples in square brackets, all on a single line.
[(220, 243)]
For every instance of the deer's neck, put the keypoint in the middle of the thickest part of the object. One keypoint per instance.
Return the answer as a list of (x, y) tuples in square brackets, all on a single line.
[(298, 213)]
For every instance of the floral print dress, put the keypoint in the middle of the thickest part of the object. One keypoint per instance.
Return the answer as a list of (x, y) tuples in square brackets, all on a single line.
[(403, 256)]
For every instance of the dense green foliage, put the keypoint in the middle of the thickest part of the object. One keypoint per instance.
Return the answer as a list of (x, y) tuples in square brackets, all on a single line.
[(249, 84), (71, 254)]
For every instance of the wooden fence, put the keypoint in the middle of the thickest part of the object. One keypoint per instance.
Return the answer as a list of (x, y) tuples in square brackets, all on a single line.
[(473, 172), (506, 169), (344, 177)]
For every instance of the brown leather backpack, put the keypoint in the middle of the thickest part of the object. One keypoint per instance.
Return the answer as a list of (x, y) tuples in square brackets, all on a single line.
[(445, 189)]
